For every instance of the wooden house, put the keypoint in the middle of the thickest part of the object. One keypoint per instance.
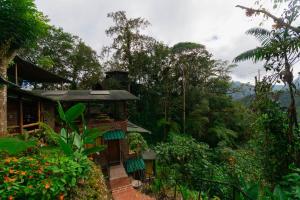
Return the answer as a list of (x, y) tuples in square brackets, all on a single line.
[(106, 109), (26, 109)]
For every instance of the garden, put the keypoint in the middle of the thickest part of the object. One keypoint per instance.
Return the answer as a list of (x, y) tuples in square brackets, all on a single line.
[(49, 165)]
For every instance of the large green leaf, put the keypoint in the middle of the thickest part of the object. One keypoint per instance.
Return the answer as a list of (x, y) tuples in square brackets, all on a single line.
[(61, 112), (90, 135), (63, 134), (253, 191), (278, 194), (74, 112), (66, 148), (77, 141), (94, 150)]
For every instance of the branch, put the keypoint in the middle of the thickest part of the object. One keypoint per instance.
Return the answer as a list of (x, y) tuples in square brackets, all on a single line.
[(276, 19)]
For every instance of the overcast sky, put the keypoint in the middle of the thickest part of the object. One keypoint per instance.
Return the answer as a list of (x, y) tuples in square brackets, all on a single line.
[(217, 24)]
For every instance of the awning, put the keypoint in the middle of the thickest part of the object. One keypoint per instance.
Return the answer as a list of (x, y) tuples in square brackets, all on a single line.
[(133, 165), (114, 135)]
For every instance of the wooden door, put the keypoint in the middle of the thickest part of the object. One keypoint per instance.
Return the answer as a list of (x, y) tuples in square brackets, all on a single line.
[(113, 151)]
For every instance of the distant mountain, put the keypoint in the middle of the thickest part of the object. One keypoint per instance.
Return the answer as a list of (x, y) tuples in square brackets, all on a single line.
[(240, 90), (244, 92)]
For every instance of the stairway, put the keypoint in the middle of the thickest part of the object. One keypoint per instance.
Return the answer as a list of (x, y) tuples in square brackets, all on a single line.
[(121, 187)]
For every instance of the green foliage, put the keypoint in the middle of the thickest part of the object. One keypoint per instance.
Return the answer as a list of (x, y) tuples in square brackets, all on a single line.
[(183, 159), (21, 24), (70, 140), (15, 146), (40, 176), (290, 184), (94, 187), (271, 141), (137, 143), (67, 55), (127, 39)]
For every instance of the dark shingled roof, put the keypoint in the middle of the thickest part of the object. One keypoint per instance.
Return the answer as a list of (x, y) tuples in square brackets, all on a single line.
[(131, 127), (30, 72), (22, 92), (87, 95), (6, 82)]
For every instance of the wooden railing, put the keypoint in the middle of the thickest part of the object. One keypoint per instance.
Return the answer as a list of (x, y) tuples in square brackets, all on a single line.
[(32, 128)]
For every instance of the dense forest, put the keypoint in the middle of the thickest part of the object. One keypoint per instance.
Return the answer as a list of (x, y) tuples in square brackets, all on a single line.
[(209, 145)]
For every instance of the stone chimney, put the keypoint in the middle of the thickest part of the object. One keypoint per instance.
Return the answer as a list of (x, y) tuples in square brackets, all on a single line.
[(117, 80)]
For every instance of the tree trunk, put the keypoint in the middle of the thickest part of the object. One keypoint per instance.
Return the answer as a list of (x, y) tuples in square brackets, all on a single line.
[(4, 61), (292, 112), (184, 97)]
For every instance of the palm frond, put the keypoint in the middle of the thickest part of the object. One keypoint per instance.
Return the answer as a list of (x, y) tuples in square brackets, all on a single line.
[(263, 35), (248, 55)]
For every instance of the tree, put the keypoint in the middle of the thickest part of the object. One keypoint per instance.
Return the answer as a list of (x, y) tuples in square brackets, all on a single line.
[(127, 40), (280, 51), (85, 68), (189, 58), (181, 160), (21, 24), (67, 55), (284, 21)]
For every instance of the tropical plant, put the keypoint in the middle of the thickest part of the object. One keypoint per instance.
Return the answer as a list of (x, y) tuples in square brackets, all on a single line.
[(290, 183), (137, 143), (182, 161), (70, 139), (280, 51), (41, 176), (21, 24)]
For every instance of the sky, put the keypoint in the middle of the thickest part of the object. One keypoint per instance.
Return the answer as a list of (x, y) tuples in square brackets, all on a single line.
[(217, 24)]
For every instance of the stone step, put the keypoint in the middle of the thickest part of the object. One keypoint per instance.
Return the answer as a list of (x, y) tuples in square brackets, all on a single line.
[(121, 182)]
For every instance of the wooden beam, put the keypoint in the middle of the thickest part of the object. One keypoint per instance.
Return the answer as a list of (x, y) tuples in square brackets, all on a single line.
[(39, 111), (16, 74), (21, 115), (30, 125)]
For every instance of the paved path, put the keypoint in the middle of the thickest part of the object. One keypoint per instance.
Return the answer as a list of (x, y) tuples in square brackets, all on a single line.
[(121, 187)]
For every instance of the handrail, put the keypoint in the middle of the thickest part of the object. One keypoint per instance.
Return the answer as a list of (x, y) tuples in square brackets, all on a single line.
[(31, 125), (227, 184), (14, 126)]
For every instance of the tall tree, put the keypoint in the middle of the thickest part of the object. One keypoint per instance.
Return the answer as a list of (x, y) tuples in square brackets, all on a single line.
[(189, 59), (127, 40), (280, 51), (85, 69), (21, 24), (52, 51), (67, 55)]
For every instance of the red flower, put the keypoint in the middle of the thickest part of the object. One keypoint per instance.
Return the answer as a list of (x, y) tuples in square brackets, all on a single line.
[(61, 197), (47, 185)]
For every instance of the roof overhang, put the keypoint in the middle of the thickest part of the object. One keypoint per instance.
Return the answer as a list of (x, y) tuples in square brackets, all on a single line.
[(133, 128), (87, 95), (31, 72)]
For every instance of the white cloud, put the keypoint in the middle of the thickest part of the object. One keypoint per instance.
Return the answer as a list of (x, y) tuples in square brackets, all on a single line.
[(218, 24)]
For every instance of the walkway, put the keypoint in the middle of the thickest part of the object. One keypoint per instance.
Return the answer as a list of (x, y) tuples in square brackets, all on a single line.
[(121, 187)]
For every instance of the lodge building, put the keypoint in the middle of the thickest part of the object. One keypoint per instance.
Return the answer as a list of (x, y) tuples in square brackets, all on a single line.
[(26, 108)]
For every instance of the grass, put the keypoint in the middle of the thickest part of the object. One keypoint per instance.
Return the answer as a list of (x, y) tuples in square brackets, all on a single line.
[(15, 146)]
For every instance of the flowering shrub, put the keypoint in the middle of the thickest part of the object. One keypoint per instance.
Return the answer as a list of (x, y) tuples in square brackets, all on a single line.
[(40, 177)]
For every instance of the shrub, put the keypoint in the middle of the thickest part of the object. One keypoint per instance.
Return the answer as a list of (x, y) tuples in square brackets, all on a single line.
[(93, 188), (137, 143), (40, 177)]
